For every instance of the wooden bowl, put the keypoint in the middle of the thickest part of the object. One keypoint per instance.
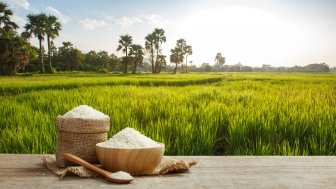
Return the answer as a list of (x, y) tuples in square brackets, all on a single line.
[(131, 160)]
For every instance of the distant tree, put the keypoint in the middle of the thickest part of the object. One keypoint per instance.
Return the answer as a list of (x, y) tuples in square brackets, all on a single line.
[(206, 67), (5, 18), (175, 58), (149, 46), (322, 67), (181, 46), (77, 59), (65, 52), (188, 51), (137, 56), (158, 40), (162, 63), (246, 69), (37, 26), (15, 51), (104, 60), (181, 49), (220, 60), (101, 61), (91, 61), (70, 56), (124, 43), (333, 69), (52, 30), (177, 54), (115, 63)]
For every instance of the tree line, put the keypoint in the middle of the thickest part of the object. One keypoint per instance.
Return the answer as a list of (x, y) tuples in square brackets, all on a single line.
[(315, 67), (17, 54)]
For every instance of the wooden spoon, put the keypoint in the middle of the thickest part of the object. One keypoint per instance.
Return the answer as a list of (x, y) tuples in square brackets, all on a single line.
[(113, 177)]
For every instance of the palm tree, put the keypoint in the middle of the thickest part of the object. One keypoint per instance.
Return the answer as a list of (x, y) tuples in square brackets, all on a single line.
[(5, 14), (136, 53), (220, 60), (18, 53), (177, 54), (161, 62), (158, 40), (176, 57), (15, 51), (52, 29), (188, 51), (7, 31), (218, 57), (181, 46), (37, 26), (149, 45), (124, 43)]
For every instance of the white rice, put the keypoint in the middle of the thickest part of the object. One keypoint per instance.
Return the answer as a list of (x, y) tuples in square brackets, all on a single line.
[(129, 138), (85, 112), (122, 175)]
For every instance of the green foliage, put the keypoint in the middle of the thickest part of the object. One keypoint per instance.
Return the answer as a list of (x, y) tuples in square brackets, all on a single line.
[(125, 43), (137, 56), (70, 57), (177, 54), (36, 26), (103, 70), (5, 19), (15, 51), (193, 114), (14, 54), (153, 44), (220, 60), (52, 28)]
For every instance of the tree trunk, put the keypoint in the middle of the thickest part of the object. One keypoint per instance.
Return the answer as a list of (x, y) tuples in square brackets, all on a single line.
[(160, 68), (68, 66), (49, 55), (186, 63), (135, 67), (41, 56), (126, 62), (175, 69), (156, 61), (152, 56)]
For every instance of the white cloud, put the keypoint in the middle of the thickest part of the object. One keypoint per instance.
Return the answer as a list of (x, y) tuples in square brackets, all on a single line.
[(64, 19), (21, 3), (126, 22), (156, 20), (153, 19), (92, 24), (18, 20)]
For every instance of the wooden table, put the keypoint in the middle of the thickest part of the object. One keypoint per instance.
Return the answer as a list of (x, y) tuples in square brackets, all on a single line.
[(27, 171)]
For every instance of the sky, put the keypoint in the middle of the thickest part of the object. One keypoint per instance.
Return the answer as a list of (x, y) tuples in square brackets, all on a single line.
[(250, 32)]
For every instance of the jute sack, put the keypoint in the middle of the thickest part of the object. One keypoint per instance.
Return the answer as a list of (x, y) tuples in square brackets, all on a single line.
[(79, 136), (168, 165)]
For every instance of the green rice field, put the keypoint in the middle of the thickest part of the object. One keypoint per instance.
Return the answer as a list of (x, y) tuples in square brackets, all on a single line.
[(192, 114)]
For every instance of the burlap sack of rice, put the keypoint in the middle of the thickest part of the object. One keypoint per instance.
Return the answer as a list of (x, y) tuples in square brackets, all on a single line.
[(79, 136)]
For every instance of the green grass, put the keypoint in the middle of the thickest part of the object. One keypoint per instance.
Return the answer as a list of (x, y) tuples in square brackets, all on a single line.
[(193, 114)]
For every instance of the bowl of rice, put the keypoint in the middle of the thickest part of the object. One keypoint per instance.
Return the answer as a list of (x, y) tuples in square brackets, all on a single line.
[(130, 151)]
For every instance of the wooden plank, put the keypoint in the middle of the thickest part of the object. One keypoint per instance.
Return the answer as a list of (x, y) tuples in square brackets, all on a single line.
[(27, 171)]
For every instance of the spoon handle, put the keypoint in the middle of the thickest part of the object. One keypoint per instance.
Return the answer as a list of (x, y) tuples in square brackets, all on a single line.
[(86, 164)]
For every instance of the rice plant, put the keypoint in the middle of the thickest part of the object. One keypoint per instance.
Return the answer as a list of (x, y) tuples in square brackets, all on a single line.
[(193, 114)]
